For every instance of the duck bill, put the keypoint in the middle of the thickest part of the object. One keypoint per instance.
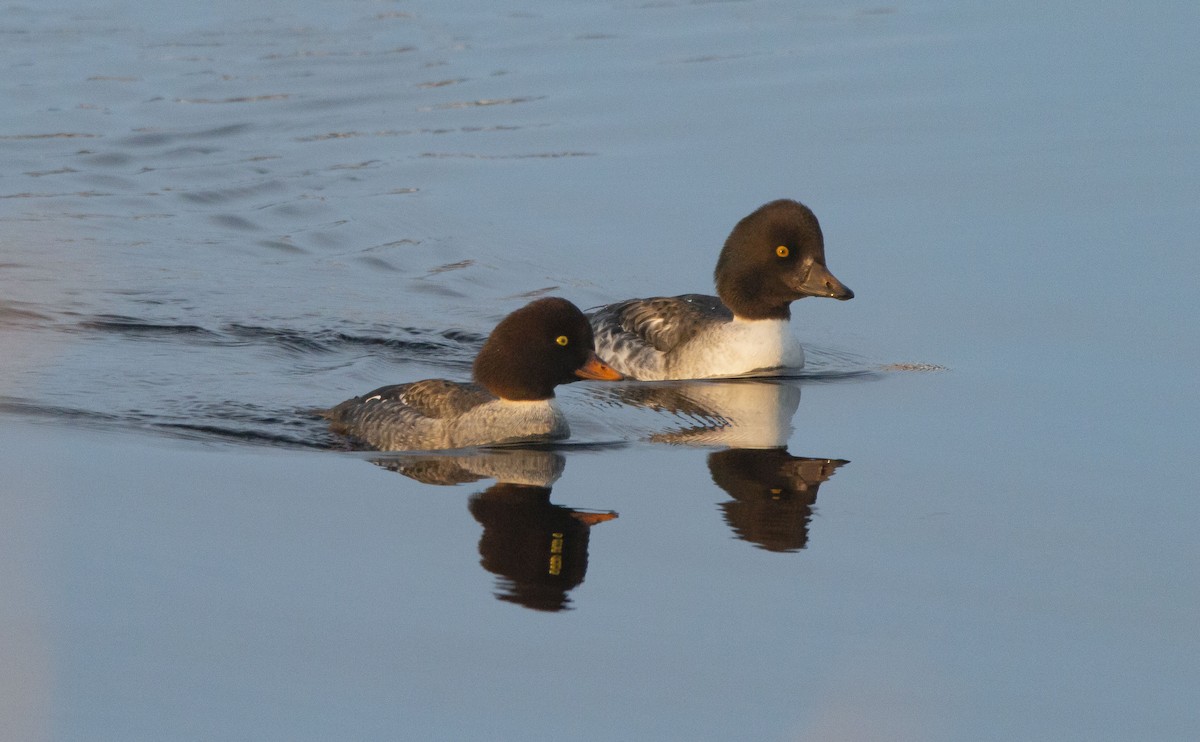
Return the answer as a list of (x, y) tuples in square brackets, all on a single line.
[(591, 519), (594, 368), (820, 282)]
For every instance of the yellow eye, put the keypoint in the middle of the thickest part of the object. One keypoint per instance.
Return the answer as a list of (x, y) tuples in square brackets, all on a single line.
[(782, 251), (562, 340)]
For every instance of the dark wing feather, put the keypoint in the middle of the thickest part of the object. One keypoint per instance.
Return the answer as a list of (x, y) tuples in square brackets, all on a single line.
[(431, 398), (664, 322), (440, 398), (407, 416)]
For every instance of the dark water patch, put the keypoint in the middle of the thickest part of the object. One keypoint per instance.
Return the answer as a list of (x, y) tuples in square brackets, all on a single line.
[(251, 424), (203, 432), (80, 194), (348, 135), (290, 340), (288, 211), (159, 138), (326, 54), (915, 367), (110, 181), (463, 336), (12, 314), (56, 135), (138, 295), (453, 348), (536, 293), (37, 410), (460, 265), (43, 173), (268, 97), (233, 221), (131, 326), (442, 83), (355, 165), (233, 193), (188, 151), (403, 242), (319, 236), (708, 58), (410, 132), (149, 139), (226, 421), (482, 103), (282, 246), (221, 132), (495, 127), (338, 104), (107, 159), (524, 156), (436, 289), (377, 263)]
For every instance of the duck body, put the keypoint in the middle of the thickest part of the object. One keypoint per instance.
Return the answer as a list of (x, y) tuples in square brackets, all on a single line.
[(773, 257), (441, 414), (511, 400), (693, 336)]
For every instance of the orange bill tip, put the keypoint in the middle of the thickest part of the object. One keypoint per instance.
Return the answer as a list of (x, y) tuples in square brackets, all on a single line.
[(597, 369), (591, 519)]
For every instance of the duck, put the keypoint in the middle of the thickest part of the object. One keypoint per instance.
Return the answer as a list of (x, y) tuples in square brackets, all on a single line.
[(538, 347), (774, 256)]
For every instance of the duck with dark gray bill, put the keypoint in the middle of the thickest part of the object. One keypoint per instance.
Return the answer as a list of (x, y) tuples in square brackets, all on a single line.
[(536, 348), (773, 257)]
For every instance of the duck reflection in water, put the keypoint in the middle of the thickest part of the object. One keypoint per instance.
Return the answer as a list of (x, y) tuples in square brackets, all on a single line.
[(773, 492), (538, 550)]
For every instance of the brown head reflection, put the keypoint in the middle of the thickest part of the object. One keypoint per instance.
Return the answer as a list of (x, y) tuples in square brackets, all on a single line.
[(773, 494), (538, 549)]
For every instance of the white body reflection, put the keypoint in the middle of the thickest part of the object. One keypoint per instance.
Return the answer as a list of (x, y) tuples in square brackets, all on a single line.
[(751, 420), (531, 467), (739, 413)]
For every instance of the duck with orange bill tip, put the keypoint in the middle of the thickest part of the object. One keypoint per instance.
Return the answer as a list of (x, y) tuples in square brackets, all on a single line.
[(544, 344), (773, 257)]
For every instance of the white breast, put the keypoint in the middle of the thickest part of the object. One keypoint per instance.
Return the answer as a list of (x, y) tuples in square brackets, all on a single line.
[(505, 421), (737, 348)]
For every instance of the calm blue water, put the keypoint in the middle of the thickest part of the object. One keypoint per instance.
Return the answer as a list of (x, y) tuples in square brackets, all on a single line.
[(214, 219)]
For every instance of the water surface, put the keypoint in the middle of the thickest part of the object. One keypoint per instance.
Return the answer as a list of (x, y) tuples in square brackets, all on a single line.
[(216, 219)]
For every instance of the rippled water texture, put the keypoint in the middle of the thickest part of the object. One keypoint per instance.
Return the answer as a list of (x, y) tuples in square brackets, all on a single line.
[(972, 517), (316, 201)]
